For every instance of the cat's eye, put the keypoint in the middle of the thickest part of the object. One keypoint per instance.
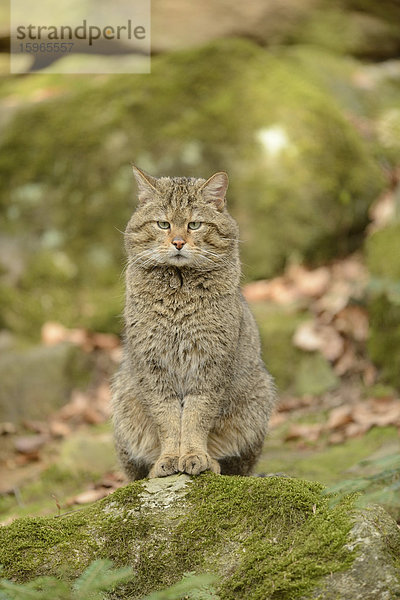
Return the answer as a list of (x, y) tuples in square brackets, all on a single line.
[(194, 225), (163, 224)]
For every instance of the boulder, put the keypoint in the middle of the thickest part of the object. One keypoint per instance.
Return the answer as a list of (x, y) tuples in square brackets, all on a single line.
[(38, 380), (229, 105), (264, 538)]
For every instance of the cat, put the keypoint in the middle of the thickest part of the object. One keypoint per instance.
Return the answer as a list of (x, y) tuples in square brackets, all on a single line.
[(192, 393)]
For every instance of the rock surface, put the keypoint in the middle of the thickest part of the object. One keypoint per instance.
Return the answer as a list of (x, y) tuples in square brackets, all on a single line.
[(38, 380), (262, 116), (264, 537)]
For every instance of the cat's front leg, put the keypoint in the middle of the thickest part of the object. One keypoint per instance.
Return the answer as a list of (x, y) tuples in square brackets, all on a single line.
[(168, 418), (197, 420)]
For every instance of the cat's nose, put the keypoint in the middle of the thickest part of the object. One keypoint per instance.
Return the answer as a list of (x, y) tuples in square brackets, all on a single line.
[(178, 243)]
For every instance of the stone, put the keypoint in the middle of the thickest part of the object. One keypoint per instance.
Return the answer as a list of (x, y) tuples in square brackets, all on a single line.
[(38, 380), (262, 537), (281, 135)]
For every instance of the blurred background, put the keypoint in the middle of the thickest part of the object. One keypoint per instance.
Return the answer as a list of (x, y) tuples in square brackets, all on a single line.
[(300, 103)]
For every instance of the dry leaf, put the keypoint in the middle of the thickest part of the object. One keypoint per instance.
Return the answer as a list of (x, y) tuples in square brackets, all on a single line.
[(59, 429), (382, 211), (105, 341), (353, 321), (348, 361), (277, 290), (306, 432), (92, 416), (356, 429), (256, 291), (339, 416), (309, 283), (89, 496), (75, 407), (311, 336), (306, 337), (54, 333)]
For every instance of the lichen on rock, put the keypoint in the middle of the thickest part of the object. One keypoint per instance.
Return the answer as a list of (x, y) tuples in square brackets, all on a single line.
[(264, 537)]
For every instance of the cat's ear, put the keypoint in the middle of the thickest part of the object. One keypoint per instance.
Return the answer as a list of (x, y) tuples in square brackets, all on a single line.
[(214, 189), (146, 184)]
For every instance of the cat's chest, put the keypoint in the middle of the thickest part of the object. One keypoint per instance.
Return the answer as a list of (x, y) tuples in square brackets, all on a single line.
[(178, 329)]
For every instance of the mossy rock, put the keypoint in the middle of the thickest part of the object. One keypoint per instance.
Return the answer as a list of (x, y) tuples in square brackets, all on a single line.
[(383, 260), (38, 380), (264, 538), (293, 370), (230, 105)]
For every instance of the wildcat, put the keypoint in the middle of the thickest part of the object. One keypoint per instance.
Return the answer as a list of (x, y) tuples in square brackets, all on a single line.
[(192, 393)]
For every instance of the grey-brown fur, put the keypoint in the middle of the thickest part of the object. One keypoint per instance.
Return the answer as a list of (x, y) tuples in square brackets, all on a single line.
[(192, 392)]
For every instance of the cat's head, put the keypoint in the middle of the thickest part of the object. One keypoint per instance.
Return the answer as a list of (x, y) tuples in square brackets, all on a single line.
[(181, 222)]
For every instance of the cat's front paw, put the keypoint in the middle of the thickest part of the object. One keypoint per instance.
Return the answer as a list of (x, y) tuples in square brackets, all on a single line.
[(193, 464), (164, 466)]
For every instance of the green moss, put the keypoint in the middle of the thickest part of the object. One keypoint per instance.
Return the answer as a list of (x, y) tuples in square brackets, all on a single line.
[(293, 525), (330, 464), (382, 258), (26, 546), (277, 327), (261, 535), (383, 261), (314, 375), (221, 106)]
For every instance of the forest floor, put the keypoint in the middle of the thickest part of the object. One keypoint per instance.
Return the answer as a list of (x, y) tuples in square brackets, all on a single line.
[(67, 460)]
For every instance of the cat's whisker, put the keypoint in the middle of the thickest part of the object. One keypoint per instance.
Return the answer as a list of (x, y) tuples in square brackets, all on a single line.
[(142, 255), (123, 232), (232, 240)]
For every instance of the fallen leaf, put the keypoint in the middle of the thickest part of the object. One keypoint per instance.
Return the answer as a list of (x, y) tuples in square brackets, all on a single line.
[(92, 416), (336, 298), (382, 211), (59, 429), (353, 321), (370, 374), (306, 432), (277, 290), (75, 407), (311, 283), (356, 429), (348, 361), (24, 459), (89, 496), (339, 416), (311, 336), (54, 333), (374, 413), (105, 341), (306, 337)]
